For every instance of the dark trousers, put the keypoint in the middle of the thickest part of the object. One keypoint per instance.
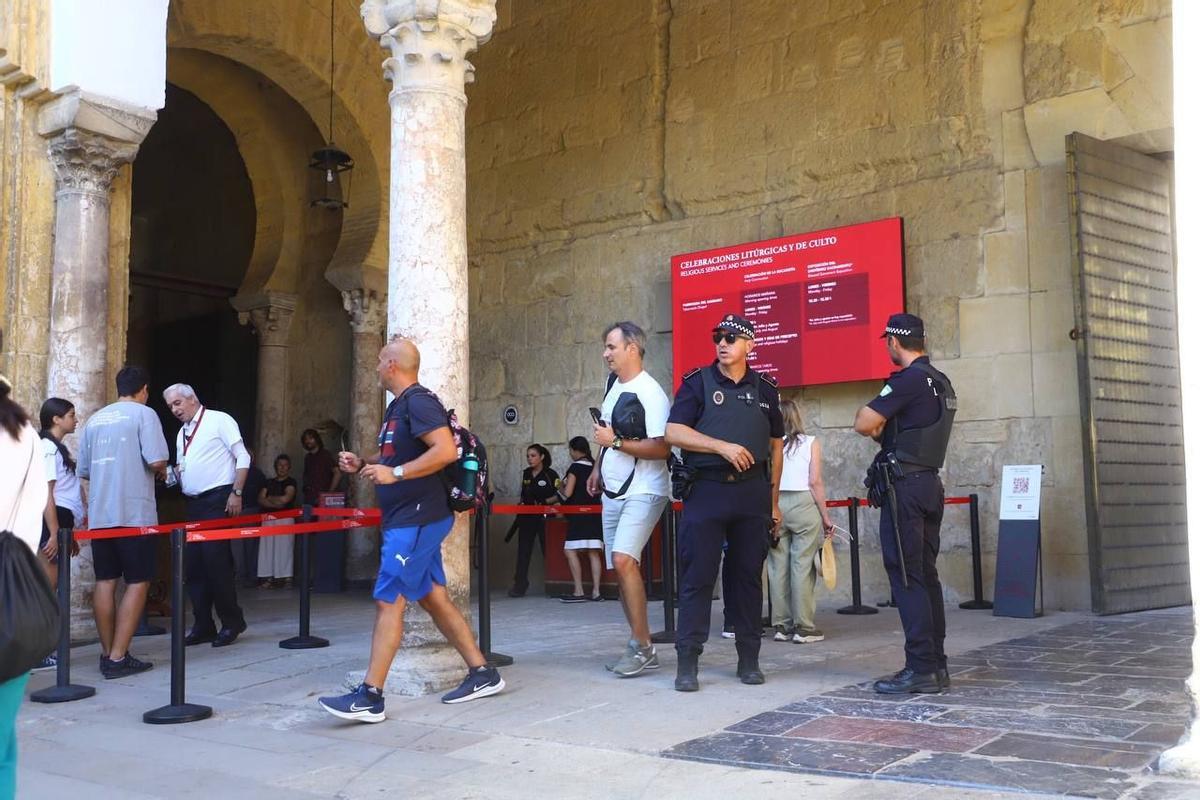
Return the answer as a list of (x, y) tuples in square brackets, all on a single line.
[(530, 529), (716, 513), (919, 498), (208, 567)]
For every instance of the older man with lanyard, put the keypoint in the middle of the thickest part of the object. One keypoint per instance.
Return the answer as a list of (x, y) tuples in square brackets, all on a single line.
[(212, 465)]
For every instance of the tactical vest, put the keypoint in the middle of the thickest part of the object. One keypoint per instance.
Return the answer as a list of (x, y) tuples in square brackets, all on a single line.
[(925, 446), (732, 415)]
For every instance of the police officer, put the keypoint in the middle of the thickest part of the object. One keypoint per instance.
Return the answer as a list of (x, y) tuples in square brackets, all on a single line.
[(911, 419), (726, 420)]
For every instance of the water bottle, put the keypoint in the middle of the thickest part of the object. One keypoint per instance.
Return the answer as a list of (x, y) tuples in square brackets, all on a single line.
[(470, 471)]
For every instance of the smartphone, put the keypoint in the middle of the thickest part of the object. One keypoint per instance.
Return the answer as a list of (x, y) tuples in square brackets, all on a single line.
[(595, 412)]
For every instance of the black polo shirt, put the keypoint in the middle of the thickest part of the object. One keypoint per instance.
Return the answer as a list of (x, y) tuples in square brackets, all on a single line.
[(909, 398), (689, 400)]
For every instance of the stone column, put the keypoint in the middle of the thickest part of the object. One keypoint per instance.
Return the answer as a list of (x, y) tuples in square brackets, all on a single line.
[(90, 138), (368, 317), (428, 43), (271, 315)]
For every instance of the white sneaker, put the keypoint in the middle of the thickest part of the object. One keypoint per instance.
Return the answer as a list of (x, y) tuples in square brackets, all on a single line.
[(780, 636), (808, 636)]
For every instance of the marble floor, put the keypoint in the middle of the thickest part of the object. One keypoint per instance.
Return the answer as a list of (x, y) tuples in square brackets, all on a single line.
[(1082, 709)]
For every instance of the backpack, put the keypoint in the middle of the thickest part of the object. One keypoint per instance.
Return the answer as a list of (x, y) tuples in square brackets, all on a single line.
[(453, 475)]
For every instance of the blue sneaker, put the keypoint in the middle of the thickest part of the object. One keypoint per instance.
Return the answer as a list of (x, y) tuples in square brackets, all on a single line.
[(361, 705), (480, 682)]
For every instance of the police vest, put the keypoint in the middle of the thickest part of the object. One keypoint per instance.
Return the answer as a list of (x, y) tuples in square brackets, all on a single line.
[(925, 446), (732, 415)]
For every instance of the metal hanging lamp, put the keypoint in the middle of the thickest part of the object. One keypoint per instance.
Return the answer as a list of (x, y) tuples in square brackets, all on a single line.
[(331, 160)]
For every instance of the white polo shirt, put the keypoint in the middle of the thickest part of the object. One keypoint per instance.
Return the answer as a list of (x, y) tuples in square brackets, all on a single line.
[(206, 451)]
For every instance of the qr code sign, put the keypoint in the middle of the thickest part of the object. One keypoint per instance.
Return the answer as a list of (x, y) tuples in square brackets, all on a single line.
[(1021, 485)]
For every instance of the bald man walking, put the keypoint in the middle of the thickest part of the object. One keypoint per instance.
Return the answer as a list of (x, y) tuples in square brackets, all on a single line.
[(415, 444)]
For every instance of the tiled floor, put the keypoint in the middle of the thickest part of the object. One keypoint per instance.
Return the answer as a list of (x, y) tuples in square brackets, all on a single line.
[(1082, 710)]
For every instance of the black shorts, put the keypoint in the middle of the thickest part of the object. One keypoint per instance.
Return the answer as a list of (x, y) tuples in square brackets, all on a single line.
[(66, 519), (130, 557)]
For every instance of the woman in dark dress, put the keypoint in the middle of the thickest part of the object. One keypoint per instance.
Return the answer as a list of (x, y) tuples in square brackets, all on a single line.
[(539, 487), (583, 530)]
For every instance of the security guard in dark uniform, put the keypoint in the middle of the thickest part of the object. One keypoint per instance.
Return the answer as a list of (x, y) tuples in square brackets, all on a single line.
[(911, 419), (726, 420)]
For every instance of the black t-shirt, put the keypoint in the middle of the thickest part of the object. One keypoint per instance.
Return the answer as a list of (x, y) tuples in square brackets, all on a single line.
[(582, 470), (414, 501), (689, 400), (278, 488), (538, 490), (907, 397)]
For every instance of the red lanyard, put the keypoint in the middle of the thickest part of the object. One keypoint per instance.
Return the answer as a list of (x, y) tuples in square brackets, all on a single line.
[(187, 440)]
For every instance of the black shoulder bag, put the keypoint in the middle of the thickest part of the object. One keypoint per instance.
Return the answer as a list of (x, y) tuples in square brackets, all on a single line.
[(628, 422)]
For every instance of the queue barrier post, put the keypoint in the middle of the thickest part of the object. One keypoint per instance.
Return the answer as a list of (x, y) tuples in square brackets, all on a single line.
[(667, 634), (63, 691), (977, 603), (482, 517), (304, 641), (178, 710), (856, 606)]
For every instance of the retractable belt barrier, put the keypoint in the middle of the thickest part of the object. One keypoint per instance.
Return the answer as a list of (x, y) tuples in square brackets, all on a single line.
[(247, 526)]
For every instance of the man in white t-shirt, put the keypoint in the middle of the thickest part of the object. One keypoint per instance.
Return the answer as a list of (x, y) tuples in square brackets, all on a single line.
[(632, 472)]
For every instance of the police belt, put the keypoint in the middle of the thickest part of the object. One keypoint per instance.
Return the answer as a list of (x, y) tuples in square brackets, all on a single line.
[(756, 472), (909, 468)]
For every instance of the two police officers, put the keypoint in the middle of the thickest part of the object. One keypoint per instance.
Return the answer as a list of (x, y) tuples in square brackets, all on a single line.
[(726, 420), (911, 419)]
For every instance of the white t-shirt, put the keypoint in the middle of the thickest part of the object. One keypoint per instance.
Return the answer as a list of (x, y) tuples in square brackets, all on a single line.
[(651, 476), (796, 460), (66, 482), (207, 450), (23, 487)]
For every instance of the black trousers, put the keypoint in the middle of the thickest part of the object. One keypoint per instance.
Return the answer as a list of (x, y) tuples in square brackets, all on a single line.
[(208, 567), (530, 529), (919, 498), (716, 513)]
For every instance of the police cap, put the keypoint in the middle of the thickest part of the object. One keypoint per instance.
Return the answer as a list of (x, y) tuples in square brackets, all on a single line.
[(736, 324), (904, 325)]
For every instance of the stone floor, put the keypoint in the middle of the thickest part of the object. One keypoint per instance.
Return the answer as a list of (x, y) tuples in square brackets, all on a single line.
[(567, 728), (1081, 709)]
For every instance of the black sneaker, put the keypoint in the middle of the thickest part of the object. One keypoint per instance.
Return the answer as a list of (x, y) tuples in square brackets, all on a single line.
[(129, 665), (480, 682), (573, 598)]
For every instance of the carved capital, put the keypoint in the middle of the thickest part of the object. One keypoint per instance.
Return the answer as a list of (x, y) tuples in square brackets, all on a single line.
[(87, 163), (429, 41), (271, 315), (367, 310)]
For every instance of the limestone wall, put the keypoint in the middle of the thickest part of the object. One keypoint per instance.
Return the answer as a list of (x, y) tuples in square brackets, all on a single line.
[(604, 138)]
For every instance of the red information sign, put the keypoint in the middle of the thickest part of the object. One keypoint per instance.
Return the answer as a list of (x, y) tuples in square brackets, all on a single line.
[(818, 302)]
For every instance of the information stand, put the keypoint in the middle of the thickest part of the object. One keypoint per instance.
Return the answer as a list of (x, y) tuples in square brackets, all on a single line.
[(1019, 545)]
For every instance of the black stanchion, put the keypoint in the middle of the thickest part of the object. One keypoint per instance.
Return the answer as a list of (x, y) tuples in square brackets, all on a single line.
[(178, 710), (667, 634), (63, 690), (304, 641), (485, 594), (856, 607), (978, 603)]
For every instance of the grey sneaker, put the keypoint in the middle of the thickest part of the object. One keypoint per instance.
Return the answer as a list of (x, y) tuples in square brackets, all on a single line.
[(808, 636), (637, 659), (781, 634)]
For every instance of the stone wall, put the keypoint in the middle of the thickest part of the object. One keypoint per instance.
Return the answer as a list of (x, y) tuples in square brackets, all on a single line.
[(604, 138)]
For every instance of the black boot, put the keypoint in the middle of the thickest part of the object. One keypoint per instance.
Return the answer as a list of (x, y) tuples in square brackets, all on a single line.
[(907, 681), (747, 668), (685, 672)]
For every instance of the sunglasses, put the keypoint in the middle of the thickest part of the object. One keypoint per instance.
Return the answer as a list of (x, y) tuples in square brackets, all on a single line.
[(728, 338)]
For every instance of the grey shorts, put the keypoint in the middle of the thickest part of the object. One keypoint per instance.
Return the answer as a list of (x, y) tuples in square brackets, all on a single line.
[(628, 523)]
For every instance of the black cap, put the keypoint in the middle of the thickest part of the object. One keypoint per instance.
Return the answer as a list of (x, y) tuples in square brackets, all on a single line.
[(735, 324), (904, 325)]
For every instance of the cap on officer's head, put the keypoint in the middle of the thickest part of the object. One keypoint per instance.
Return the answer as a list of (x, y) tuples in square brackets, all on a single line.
[(904, 325), (736, 324)]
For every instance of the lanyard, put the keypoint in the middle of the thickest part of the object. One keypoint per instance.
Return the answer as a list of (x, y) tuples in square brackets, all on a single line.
[(187, 440)]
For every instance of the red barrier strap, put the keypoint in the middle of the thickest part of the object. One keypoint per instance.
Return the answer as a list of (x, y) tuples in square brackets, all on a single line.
[(275, 530), (205, 524)]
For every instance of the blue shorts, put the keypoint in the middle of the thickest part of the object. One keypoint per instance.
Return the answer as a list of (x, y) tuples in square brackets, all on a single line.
[(410, 561)]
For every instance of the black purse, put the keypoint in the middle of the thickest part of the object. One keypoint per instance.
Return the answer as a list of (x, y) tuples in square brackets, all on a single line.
[(29, 620)]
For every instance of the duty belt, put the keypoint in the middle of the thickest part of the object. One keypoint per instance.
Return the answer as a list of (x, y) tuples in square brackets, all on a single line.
[(758, 471)]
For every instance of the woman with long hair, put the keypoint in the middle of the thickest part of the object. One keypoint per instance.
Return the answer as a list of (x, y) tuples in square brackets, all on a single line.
[(23, 492), (539, 487), (583, 530), (790, 570), (64, 503)]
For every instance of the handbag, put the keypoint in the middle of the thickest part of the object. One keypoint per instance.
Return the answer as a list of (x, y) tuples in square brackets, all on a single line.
[(29, 619)]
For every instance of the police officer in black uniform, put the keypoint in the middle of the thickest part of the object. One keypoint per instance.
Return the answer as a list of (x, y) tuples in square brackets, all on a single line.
[(911, 419), (726, 420)]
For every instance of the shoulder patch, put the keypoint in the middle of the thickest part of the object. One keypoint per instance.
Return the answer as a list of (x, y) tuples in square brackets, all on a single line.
[(887, 389), (771, 379), (692, 373)]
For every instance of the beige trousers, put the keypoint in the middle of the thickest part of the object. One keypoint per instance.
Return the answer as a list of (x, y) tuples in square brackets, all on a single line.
[(791, 577)]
